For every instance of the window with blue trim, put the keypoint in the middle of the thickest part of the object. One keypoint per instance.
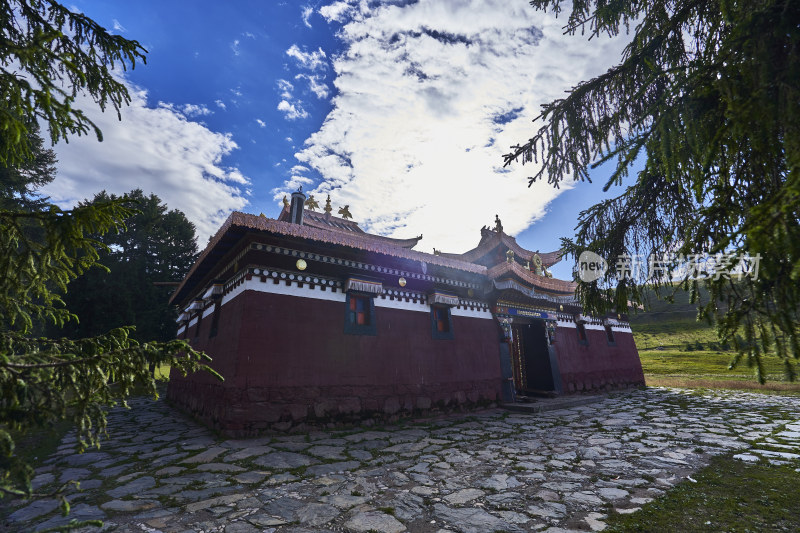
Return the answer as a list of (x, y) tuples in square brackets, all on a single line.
[(441, 322), (359, 316)]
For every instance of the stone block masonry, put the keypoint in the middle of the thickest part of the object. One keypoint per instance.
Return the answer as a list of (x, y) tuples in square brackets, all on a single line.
[(493, 470)]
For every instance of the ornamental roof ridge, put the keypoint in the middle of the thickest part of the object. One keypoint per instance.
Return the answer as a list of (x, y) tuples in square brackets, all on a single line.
[(327, 221), (362, 241), (547, 284), (490, 239)]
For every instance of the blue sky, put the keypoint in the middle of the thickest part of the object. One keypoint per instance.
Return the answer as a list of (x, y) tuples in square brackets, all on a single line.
[(401, 110)]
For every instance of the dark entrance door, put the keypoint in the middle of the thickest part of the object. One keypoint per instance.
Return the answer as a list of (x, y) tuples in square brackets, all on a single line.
[(533, 372)]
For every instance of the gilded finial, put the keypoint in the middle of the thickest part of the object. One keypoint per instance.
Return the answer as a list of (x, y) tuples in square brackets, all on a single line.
[(328, 207), (311, 203), (437, 252), (510, 256), (262, 215), (538, 267), (345, 212), (285, 201)]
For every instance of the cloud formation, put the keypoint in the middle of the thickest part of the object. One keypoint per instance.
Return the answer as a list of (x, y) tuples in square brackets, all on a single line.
[(159, 150), (429, 95), (310, 60), (315, 84), (306, 13), (292, 111)]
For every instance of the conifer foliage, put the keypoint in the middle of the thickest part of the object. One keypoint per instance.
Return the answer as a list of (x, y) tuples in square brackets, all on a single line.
[(49, 55), (707, 95)]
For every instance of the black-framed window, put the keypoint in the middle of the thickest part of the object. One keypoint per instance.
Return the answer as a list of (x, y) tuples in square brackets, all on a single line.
[(359, 318), (441, 322), (582, 338), (610, 336)]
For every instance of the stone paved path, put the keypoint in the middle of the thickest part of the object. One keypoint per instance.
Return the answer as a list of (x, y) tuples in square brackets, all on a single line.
[(492, 471)]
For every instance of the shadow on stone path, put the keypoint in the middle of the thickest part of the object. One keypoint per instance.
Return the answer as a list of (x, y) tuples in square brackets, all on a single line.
[(495, 470)]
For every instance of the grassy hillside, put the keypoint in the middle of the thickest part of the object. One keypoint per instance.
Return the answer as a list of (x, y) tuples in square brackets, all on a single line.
[(676, 349)]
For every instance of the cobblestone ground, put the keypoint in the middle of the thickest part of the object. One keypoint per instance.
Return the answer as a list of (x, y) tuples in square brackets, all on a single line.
[(492, 471)]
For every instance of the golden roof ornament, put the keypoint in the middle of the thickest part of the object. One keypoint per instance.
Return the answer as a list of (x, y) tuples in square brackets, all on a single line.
[(328, 207), (510, 255), (311, 203), (498, 226), (537, 264), (345, 212), (285, 202)]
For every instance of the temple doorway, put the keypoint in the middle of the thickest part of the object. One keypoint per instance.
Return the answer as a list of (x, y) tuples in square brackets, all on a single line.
[(530, 358)]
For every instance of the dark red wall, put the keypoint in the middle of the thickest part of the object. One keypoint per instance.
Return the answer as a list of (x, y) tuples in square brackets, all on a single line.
[(286, 358), (598, 365)]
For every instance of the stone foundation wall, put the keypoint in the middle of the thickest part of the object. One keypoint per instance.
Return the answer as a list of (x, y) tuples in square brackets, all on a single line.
[(236, 411)]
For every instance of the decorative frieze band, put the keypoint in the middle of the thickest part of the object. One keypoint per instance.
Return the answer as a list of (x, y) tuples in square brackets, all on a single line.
[(309, 256)]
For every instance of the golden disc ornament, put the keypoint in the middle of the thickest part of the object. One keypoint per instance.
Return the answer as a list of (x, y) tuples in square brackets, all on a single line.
[(402, 282), (301, 264)]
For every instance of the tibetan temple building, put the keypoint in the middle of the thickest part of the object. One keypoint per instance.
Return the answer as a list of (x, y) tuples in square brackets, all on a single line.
[(311, 319)]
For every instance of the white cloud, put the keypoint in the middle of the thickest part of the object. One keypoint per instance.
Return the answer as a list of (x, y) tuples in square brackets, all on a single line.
[(310, 60), (249, 35), (429, 95), (286, 89), (235, 47), (306, 14), (118, 27), (261, 123), (158, 150), (290, 185), (221, 104), (315, 84), (337, 11), (192, 110), (292, 111)]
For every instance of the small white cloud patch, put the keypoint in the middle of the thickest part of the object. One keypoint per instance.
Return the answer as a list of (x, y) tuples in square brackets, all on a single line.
[(292, 111), (309, 60), (192, 110), (315, 84), (306, 14)]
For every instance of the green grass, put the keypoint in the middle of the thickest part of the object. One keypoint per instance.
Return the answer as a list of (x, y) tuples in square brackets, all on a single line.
[(730, 495), (678, 350), (162, 372)]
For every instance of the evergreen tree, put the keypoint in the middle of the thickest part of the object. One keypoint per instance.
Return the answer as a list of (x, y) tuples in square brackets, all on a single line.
[(156, 246), (708, 96), (19, 184), (49, 55)]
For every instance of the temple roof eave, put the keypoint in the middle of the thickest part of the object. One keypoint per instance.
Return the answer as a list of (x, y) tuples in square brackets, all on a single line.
[(561, 287), (491, 239), (360, 241)]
